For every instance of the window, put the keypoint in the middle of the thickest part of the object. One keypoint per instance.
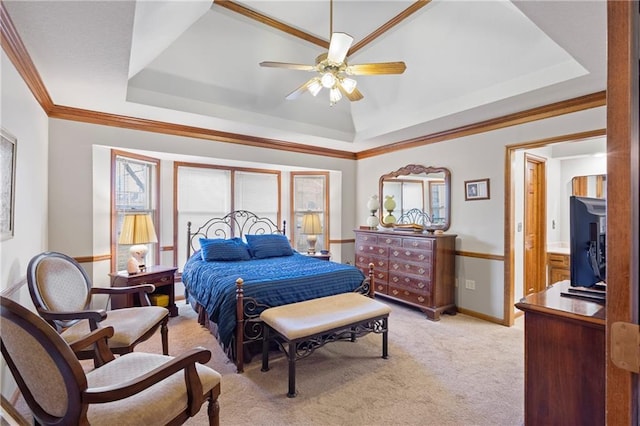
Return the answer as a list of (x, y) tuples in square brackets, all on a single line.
[(207, 191), (309, 192), (134, 189)]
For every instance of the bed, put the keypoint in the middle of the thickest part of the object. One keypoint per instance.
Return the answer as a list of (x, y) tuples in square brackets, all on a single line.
[(229, 288)]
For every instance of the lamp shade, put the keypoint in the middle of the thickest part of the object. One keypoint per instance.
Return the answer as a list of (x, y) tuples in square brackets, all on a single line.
[(138, 229), (311, 224)]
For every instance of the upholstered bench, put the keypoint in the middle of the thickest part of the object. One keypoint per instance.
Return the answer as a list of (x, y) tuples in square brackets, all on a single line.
[(306, 326)]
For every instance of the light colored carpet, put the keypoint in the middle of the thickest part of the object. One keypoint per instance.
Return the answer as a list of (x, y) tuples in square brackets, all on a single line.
[(458, 371)]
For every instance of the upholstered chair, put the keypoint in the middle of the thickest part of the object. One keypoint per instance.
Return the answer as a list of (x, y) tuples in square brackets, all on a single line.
[(62, 294), (135, 389)]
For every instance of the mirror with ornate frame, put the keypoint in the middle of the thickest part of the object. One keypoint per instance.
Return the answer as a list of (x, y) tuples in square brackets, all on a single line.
[(420, 196)]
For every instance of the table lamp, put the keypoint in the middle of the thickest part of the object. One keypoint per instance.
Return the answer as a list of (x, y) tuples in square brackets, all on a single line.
[(138, 230), (311, 227)]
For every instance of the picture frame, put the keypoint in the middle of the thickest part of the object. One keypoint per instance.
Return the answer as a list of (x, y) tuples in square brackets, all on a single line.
[(477, 189), (8, 148)]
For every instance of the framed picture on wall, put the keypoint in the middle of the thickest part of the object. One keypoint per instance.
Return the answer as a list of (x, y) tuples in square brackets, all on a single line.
[(8, 183), (476, 189)]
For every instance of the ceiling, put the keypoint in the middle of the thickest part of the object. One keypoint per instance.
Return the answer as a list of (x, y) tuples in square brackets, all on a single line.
[(196, 62)]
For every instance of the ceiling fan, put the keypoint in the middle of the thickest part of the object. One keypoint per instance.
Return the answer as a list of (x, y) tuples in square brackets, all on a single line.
[(333, 70)]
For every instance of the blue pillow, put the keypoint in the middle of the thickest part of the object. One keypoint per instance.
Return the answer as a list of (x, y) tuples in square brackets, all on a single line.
[(219, 249), (268, 245)]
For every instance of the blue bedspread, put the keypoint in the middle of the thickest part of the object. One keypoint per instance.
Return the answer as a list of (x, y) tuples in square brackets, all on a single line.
[(273, 282)]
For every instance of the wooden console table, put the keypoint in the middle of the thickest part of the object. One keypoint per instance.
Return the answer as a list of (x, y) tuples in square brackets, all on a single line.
[(564, 359), (160, 276)]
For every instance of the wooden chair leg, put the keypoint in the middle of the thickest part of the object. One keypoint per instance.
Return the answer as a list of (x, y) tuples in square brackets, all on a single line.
[(164, 332), (213, 411)]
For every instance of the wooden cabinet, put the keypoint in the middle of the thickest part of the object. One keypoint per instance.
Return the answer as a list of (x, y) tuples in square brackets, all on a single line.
[(564, 344), (417, 269), (557, 268), (163, 277)]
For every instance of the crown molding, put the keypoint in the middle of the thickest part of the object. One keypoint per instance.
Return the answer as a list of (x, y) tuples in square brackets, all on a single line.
[(17, 53)]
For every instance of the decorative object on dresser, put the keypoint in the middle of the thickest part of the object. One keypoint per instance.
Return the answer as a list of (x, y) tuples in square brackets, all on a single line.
[(137, 230), (389, 206), (62, 293), (414, 268), (162, 278), (139, 388), (311, 226), (373, 205), (417, 188)]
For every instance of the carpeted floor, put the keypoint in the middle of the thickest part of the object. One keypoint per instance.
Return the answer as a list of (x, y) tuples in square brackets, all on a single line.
[(458, 371)]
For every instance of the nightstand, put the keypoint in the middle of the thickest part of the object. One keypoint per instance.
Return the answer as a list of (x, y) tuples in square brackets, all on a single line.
[(163, 277), (319, 255)]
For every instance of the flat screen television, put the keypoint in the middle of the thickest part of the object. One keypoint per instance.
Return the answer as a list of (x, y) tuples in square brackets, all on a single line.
[(588, 230)]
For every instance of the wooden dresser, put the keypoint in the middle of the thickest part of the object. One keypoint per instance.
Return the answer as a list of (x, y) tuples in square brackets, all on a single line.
[(417, 269), (564, 353)]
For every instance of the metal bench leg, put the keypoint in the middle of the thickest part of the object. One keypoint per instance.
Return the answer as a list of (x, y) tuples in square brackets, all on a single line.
[(385, 340), (265, 348), (292, 369)]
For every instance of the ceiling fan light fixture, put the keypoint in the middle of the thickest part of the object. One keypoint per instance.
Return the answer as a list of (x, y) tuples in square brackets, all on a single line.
[(348, 84), (328, 80), (334, 96), (315, 86)]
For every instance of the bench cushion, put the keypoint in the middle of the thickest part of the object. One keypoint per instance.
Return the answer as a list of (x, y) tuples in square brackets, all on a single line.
[(311, 317)]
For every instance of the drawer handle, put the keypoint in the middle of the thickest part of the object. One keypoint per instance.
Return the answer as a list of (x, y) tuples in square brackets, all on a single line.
[(380, 250), (406, 293), (421, 285), (421, 257), (380, 276), (165, 279), (394, 279), (407, 267), (395, 253), (420, 299), (395, 292), (388, 240), (415, 244), (407, 279), (380, 287), (395, 266), (407, 253), (421, 271), (381, 263)]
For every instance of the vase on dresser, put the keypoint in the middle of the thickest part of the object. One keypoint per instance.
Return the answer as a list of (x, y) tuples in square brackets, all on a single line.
[(373, 205)]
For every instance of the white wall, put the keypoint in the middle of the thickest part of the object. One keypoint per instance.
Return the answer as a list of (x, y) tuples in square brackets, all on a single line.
[(23, 117), (479, 225)]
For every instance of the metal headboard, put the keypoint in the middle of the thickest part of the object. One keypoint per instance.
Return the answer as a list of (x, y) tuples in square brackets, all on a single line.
[(235, 224), (416, 216)]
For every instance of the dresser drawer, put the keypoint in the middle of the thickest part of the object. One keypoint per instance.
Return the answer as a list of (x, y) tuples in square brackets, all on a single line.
[(409, 296), (366, 239), (379, 263), (389, 240), (373, 249), (423, 270), (411, 255), (418, 243), (419, 285)]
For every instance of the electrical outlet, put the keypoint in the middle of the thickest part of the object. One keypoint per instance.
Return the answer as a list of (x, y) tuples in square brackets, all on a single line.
[(470, 284)]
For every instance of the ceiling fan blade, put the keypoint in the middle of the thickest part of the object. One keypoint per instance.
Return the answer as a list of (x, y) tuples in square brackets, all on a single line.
[(338, 47), (377, 68), (354, 96), (300, 90), (299, 67)]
